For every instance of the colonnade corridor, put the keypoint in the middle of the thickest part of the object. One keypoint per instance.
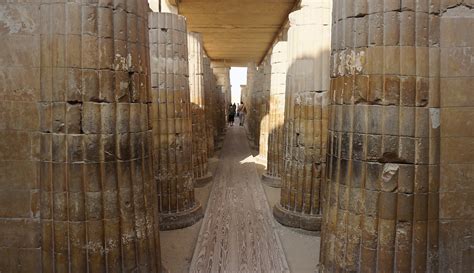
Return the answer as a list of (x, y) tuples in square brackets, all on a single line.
[(118, 153)]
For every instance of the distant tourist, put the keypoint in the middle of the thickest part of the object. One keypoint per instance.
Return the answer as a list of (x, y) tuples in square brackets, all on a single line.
[(242, 113), (232, 109)]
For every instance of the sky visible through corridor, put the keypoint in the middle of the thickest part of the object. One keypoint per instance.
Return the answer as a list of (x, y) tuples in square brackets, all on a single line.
[(238, 77)]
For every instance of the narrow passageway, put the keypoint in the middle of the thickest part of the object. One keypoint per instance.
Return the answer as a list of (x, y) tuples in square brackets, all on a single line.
[(237, 234)]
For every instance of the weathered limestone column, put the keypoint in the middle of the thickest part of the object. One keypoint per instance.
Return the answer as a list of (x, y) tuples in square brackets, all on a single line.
[(279, 67), (220, 117), (251, 124), (20, 92), (456, 192), (172, 125), (210, 105), (306, 115), (244, 94), (98, 198), (222, 73), (245, 98), (264, 112), (381, 194), (256, 106), (220, 114), (198, 115)]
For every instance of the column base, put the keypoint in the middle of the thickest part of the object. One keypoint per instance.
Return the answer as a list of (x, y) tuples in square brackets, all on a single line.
[(271, 181), (203, 181), (297, 220), (217, 146), (170, 221), (253, 146), (249, 138), (261, 160), (212, 160)]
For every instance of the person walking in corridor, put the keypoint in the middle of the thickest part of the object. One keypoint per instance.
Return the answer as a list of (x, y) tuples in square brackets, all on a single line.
[(231, 117), (242, 113)]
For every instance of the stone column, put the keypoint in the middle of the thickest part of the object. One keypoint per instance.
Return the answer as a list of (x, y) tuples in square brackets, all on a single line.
[(220, 118), (243, 94), (381, 194), (209, 106), (255, 106), (259, 106), (98, 198), (306, 115), (279, 66), (198, 116), (222, 73), (264, 111), (245, 98), (20, 93), (250, 105), (172, 125), (456, 189)]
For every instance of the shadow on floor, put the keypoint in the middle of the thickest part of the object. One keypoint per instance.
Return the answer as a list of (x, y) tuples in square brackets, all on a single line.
[(301, 248)]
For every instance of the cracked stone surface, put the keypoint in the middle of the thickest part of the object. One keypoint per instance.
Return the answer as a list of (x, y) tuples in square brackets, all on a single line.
[(384, 199), (81, 140)]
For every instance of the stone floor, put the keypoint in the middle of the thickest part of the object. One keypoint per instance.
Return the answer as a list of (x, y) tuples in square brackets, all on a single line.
[(239, 234)]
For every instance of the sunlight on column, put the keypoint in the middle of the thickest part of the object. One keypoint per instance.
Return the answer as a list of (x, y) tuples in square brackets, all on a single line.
[(249, 159)]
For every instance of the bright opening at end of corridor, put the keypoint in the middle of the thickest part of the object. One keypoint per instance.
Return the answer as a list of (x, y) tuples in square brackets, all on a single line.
[(238, 77)]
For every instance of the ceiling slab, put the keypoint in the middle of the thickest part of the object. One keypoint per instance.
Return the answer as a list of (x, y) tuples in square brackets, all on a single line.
[(236, 31)]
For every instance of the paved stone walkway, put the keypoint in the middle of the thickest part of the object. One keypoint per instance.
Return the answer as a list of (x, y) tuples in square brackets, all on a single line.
[(237, 234)]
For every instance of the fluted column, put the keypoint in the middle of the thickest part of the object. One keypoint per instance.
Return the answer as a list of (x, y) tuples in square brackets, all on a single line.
[(198, 115), (222, 73), (279, 67), (264, 111), (172, 124), (210, 106), (20, 94), (245, 99), (305, 116), (250, 105), (456, 189), (221, 118), (98, 197), (244, 94), (256, 106), (381, 196)]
